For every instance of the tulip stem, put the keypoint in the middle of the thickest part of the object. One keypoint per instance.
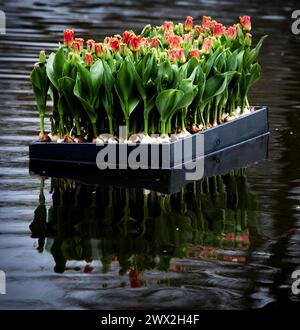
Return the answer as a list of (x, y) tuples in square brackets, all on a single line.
[(42, 127), (95, 132), (110, 123), (78, 129), (163, 127), (127, 127)]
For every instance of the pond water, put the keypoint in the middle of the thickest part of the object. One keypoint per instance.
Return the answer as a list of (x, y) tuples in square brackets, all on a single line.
[(229, 241)]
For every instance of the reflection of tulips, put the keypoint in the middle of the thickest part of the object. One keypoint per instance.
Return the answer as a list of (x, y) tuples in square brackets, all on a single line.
[(154, 82), (142, 230)]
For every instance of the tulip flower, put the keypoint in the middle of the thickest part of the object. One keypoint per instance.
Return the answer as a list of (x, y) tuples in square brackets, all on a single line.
[(76, 47), (177, 55), (90, 46), (246, 23), (135, 43), (88, 59), (231, 32), (114, 44), (194, 53), (168, 26), (188, 24), (206, 47), (187, 38), (174, 41), (206, 22), (197, 30), (68, 37), (99, 49), (218, 30), (81, 41), (126, 37), (154, 42)]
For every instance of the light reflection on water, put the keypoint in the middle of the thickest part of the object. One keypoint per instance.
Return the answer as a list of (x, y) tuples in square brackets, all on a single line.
[(260, 276)]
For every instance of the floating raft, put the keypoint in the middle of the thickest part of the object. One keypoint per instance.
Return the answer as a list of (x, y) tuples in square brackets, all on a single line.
[(214, 139), (233, 145)]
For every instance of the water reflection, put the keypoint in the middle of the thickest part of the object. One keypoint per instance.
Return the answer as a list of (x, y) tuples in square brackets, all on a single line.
[(144, 230)]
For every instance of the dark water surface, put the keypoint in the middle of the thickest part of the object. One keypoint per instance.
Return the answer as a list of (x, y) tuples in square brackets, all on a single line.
[(226, 242)]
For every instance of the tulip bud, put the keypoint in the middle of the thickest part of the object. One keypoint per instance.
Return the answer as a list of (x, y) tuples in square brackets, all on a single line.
[(206, 22), (146, 30), (194, 53), (218, 30), (68, 37), (187, 38), (114, 44), (178, 29), (248, 39), (135, 43), (206, 47), (177, 55), (80, 41), (188, 24), (126, 37), (123, 49), (90, 46), (246, 23), (88, 59), (76, 47), (168, 26), (230, 32), (75, 57), (42, 57), (154, 42), (197, 31), (99, 49), (174, 41)]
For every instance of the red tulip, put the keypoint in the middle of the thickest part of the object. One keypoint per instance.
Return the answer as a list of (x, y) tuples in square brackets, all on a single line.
[(206, 47), (90, 46), (218, 30), (206, 21), (168, 26), (126, 37), (230, 32), (88, 59), (188, 24), (99, 49), (76, 46), (177, 55), (174, 41), (187, 37), (197, 30), (194, 53), (80, 41), (246, 23), (154, 42), (68, 37), (114, 44), (135, 43)]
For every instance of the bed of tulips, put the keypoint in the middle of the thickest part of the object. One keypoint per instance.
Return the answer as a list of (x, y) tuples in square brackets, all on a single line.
[(172, 80)]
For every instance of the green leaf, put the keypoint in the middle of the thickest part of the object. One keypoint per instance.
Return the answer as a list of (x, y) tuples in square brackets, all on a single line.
[(189, 91), (55, 66), (125, 88), (255, 51), (167, 102), (40, 85), (67, 87)]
